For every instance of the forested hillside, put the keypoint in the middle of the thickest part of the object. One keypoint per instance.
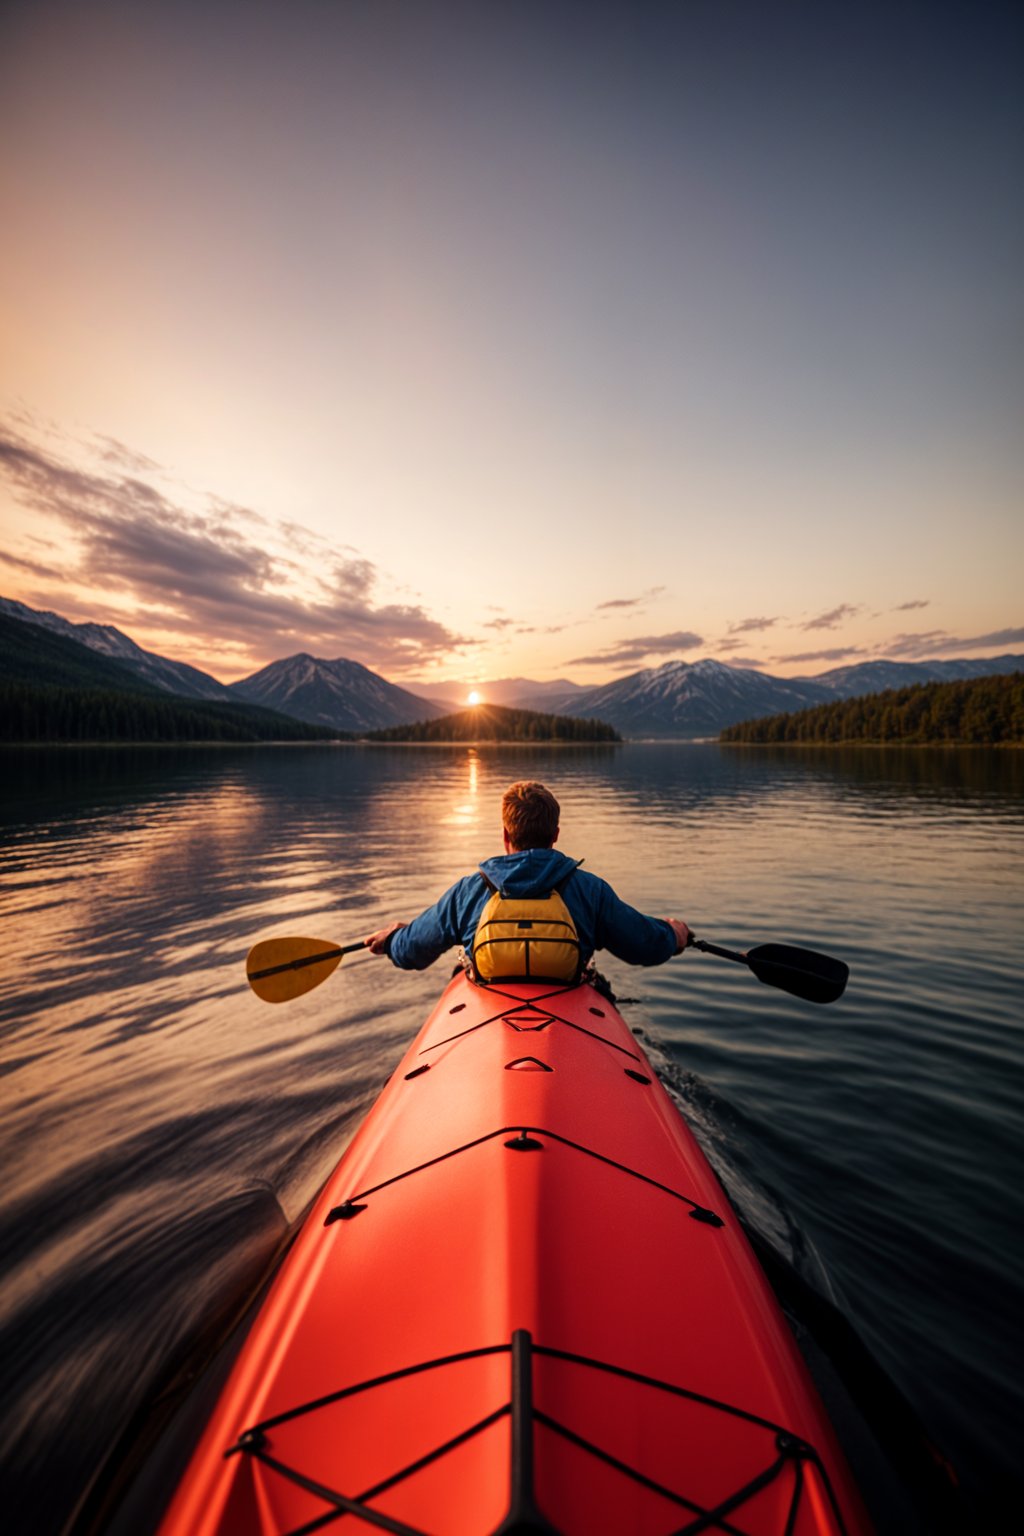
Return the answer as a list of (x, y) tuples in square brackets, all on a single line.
[(980, 711), (54, 689), (491, 722), (44, 712)]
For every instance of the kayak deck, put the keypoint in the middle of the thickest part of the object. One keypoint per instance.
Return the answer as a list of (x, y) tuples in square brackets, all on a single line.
[(522, 1303)]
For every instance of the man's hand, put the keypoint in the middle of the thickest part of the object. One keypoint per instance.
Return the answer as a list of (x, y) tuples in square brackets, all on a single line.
[(376, 942), (681, 932)]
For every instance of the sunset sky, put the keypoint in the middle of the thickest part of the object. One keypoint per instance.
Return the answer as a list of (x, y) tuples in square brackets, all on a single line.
[(493, 339)]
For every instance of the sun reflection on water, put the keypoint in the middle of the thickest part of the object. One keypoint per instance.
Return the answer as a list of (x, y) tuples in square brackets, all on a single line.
[(465, 815)]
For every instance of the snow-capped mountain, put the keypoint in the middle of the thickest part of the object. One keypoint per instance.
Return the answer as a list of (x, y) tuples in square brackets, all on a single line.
[(679, 699), (159, 671), (340, 693), (876, 676), (682, 698), (690, 699)]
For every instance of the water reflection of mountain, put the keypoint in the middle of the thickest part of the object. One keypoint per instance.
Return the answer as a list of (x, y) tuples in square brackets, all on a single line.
[(673, 775), (50, 781), (78, 780)]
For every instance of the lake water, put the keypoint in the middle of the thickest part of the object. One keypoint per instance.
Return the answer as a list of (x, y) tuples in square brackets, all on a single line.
[(162, 1128)]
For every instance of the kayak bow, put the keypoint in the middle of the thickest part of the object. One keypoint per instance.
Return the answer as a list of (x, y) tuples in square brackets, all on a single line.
[(522, 1303)]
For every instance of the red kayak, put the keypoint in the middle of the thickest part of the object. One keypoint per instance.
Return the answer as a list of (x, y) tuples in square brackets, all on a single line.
[(521, 1304)]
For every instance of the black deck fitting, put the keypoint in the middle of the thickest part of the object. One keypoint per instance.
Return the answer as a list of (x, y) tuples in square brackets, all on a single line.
[(789, 1445), (343, 1212), (252, 1440), (701, 1213), (524, 1143)]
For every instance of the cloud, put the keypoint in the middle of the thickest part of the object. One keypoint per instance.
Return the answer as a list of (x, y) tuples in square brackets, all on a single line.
[(750, 626), (598, 660), (501, 624), (833, 618), (917, 602), (840, 653), (114, 452), (933, 642), (44, 572), (630, 602), (636, 649), (205, 577), (939, 642)]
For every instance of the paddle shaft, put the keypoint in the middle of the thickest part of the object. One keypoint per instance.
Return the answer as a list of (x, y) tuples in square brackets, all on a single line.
[(716, 949), (297, 965)]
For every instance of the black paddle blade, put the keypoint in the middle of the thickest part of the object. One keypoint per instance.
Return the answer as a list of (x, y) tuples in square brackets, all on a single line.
[(817, 978)]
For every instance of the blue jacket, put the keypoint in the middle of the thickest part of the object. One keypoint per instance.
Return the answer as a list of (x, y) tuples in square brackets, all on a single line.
[(602, 920)]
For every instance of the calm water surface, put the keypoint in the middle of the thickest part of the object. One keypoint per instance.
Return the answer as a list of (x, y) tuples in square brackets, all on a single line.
[(162, 1129)]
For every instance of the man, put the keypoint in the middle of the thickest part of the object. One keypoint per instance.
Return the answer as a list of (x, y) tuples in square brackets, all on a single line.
[(531, 868)]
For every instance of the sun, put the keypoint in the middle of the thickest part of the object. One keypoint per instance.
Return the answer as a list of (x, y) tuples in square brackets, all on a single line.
[(475, 697)]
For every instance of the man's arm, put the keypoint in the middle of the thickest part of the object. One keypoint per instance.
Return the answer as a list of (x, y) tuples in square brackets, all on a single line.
[(413, 946), (633, 936)]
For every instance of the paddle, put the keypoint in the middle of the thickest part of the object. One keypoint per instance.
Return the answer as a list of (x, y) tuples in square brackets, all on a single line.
[(279, 970), (816, 978)]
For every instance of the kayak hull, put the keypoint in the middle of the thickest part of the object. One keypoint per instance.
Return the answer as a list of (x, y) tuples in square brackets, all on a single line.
[(522, 1302)]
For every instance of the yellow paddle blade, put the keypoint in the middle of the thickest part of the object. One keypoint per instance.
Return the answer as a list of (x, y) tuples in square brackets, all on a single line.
[(281, 969)]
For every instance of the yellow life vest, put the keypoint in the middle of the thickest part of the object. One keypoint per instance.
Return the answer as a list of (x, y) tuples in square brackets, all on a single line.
[(526, 939)]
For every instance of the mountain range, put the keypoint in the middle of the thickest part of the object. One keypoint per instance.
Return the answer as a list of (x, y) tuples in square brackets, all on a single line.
[(340, 693), (677, 700), (53, 688), (682, 699), (688, 699), (159, 671)]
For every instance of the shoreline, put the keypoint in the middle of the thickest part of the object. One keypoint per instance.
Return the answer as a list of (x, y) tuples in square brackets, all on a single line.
[(276, 745), (481, 744), (881, 746)]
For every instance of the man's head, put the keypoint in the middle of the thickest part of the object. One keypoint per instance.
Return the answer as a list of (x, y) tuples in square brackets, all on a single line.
[(529, 815)]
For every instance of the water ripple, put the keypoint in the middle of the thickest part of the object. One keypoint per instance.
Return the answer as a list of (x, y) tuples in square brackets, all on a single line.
[(162, 1129)]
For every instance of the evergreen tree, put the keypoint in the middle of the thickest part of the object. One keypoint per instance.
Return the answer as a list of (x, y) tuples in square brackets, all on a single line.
[(491, 722), (980, 711)]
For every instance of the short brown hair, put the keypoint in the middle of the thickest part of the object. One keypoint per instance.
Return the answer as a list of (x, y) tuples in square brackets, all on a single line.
[(529, 814)]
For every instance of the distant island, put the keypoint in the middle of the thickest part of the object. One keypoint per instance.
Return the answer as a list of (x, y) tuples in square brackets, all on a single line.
[(491, 722), (975, 712)]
